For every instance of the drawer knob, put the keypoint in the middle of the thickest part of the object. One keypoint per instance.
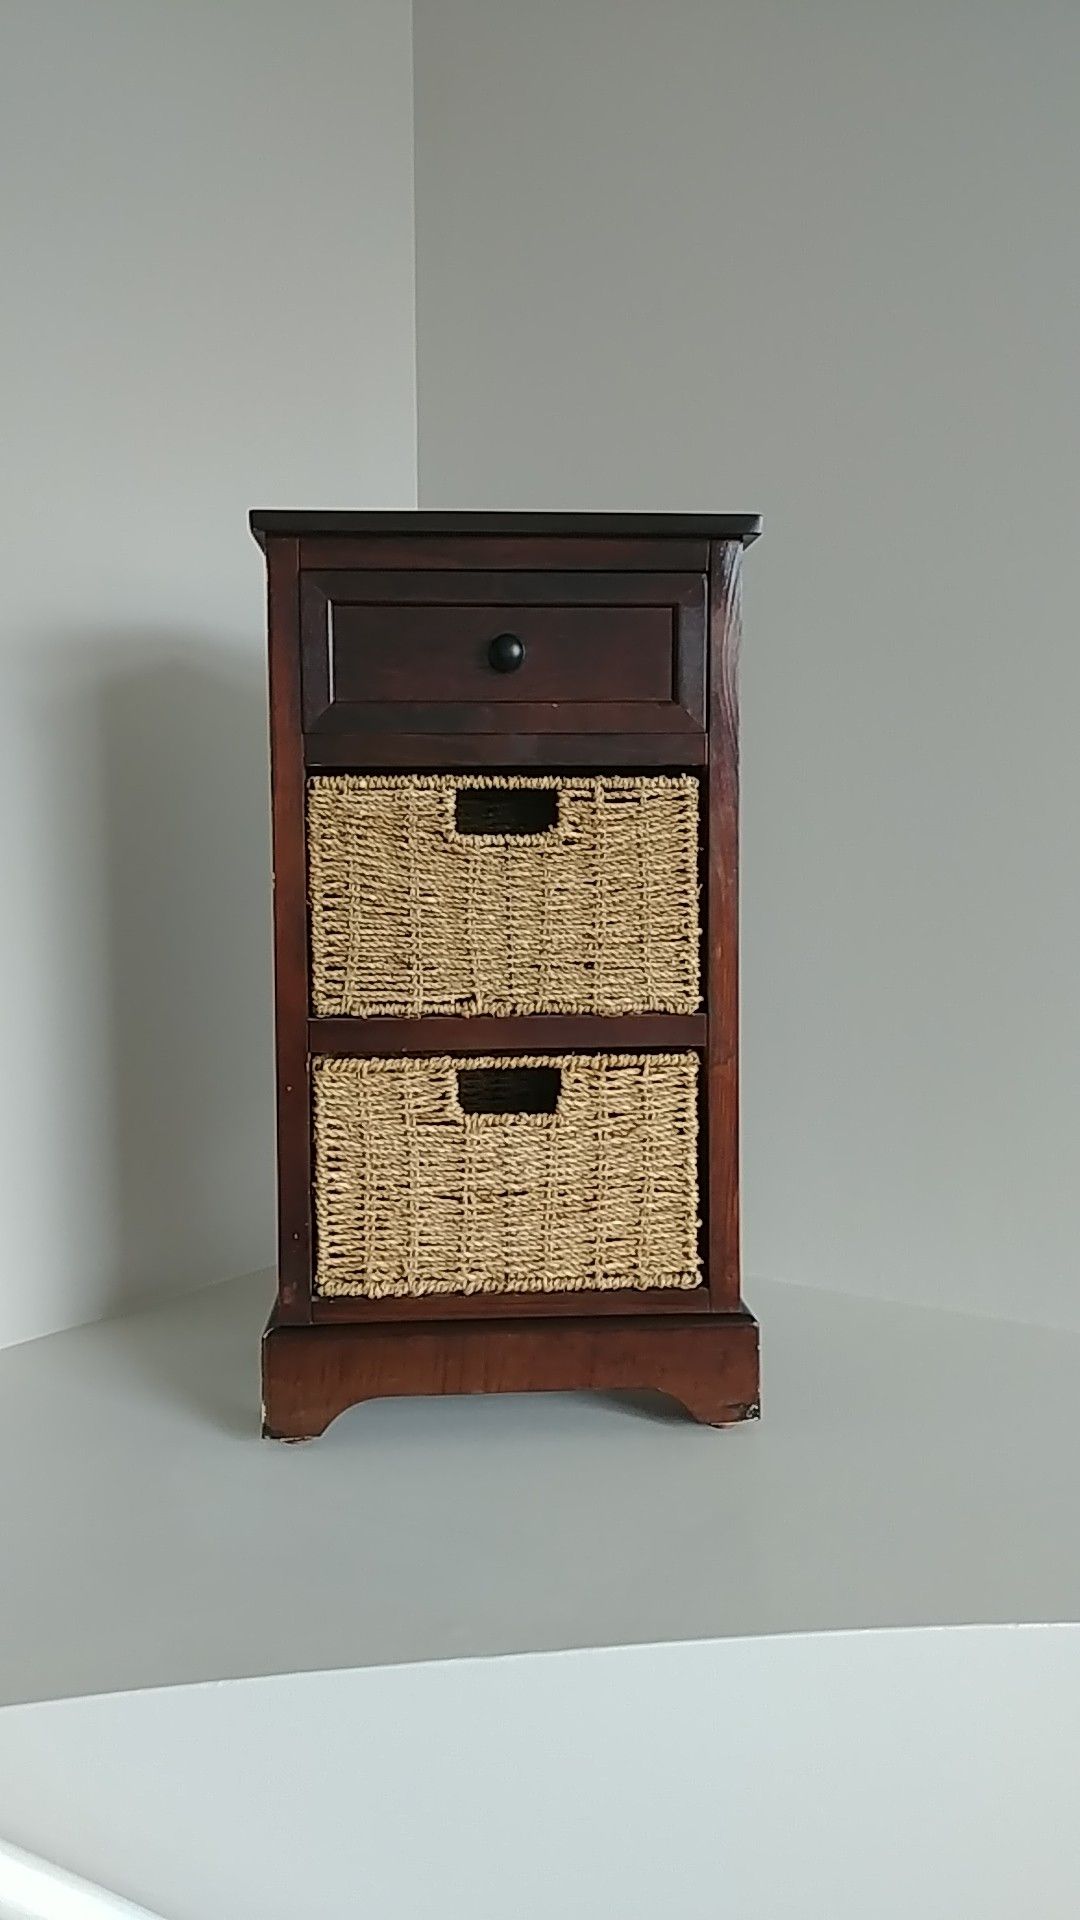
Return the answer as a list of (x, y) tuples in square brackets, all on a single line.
[(506, 653)]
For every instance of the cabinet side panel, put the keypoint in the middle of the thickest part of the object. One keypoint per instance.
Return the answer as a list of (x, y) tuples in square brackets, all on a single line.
[(290, 932), (722, 929)]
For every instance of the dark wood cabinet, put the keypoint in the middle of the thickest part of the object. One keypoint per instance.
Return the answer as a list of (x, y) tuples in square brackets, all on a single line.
[(505, 824)]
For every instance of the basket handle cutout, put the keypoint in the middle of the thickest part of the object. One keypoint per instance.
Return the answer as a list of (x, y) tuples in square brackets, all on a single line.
[(509, 1089), (506, 810)]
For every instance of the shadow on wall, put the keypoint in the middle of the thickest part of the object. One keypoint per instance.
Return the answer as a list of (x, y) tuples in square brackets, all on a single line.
[(161, 849)]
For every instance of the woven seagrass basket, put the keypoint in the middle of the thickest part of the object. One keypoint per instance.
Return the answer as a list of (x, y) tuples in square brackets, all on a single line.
[(441, 893), (549, 1174)]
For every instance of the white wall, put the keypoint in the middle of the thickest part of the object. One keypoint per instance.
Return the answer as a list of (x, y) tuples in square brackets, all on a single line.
[(208, 305), (823, 262), (823, 1778)]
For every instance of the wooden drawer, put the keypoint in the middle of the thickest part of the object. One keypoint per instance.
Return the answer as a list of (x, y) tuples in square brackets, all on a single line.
[(503, 652)]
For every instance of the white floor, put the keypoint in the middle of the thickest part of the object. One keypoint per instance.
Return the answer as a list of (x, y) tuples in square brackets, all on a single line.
[(827, 1777), (911, 1468)]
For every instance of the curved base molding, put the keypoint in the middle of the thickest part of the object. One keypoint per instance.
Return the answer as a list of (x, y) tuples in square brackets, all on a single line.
[(708, 1362)]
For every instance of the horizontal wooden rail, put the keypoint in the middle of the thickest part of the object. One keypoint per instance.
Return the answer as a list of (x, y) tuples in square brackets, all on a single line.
[(519, 1033)]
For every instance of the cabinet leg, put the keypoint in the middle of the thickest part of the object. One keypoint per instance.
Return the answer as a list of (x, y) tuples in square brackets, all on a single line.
[(715, 1409)]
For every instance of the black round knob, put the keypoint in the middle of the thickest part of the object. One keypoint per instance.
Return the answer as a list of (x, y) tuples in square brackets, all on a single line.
[(506, 653)]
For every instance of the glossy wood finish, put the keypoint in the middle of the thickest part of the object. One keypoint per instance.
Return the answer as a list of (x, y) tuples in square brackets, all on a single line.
[(291, 987), (532, 553), (562, 653), (721, 1137), (512, 1033), (604, 652), (519, 1306), (438, 564), (546, 752), (708, 1363), (314, 524)]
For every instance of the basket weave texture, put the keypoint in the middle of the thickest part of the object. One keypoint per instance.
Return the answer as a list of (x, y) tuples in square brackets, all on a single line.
[(415, 1196), (597, 915)]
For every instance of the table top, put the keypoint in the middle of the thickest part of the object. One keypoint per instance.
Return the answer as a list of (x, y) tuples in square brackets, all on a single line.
[(743, 527)]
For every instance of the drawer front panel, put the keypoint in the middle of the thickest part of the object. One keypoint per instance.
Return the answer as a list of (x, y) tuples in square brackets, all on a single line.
[(444, 653), (468, 894), (480, 653), (505, 1174)]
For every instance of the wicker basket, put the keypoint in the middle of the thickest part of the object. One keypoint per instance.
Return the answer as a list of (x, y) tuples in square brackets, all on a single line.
[(549, 1174), (426, 898)]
